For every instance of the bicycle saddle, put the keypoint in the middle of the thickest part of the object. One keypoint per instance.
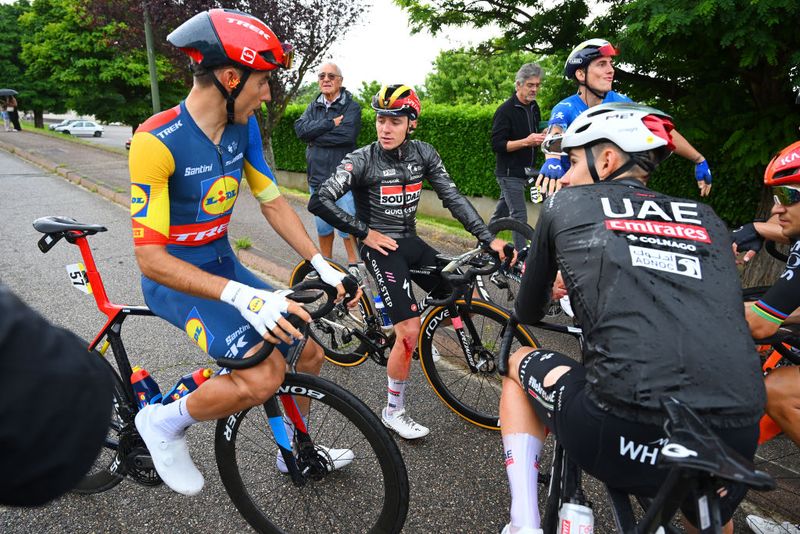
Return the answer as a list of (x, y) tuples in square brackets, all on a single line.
[(692, 445), (56, 225)]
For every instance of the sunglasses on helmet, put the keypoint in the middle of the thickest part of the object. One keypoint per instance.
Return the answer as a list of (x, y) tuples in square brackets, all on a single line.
[(786, 195)]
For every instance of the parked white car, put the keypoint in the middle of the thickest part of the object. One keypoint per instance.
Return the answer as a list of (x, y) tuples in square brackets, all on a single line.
[(82, 128), (65, 122)]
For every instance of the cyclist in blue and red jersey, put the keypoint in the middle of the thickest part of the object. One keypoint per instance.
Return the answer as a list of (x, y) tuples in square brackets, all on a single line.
[(591, 66), (186, 167)]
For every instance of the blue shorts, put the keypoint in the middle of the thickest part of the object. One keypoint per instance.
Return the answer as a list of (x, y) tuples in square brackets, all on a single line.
[(347, 204), (215, 326)]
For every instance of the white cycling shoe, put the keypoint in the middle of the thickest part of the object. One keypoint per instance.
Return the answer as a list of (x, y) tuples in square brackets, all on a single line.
[(170, 455), (336, 458), (760, 525), (507, 530), (402, 423)]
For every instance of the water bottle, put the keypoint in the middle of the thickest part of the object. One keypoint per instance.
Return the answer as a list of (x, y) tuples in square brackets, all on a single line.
[(575, 517), (186, 384), (145, 388), (381, 310)]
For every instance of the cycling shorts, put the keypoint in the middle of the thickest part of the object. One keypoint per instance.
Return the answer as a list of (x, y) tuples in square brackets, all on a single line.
[(393, 275), (215, 326), (619, 452)]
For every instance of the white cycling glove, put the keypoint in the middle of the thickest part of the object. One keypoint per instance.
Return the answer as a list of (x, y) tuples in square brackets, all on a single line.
[(328, 274), (262, 309)]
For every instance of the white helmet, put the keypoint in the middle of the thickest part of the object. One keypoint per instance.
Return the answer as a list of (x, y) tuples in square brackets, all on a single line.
[(640, 131)]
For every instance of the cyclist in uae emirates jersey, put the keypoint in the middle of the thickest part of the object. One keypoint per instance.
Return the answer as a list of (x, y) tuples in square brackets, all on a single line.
[(386, 180), (591, 66), (186, 166), (639, 266)]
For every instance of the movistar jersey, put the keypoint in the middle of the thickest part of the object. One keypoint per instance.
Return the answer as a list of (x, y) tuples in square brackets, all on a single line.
[(783, 297), (566, 111), (655, 288), (184, 187)]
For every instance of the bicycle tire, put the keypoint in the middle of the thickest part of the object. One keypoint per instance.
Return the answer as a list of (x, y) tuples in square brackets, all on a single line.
[(346, 353), (473, 396), (498, 287), (369, 495), (104, 475)]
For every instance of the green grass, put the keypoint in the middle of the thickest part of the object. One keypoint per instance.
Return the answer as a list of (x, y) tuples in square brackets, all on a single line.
[(243, 243)]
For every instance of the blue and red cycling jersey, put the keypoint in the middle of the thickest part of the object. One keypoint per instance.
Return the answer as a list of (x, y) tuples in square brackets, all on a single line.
[(183, 190)]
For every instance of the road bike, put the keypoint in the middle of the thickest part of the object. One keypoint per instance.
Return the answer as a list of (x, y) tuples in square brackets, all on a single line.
[(699, 464), (458, 340), (307, 499)]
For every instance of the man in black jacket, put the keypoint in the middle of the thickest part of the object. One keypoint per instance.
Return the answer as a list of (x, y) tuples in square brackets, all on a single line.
[(514, 140), (330, 125)]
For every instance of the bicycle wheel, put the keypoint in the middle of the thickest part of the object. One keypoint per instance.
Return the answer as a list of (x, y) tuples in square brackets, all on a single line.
[(332, 332), (106, 473), (502, 287), (474, 395), (368, 495)]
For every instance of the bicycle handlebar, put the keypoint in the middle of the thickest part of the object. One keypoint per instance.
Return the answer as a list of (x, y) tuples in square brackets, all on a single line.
[(454, 280), (305, 292), (770, 246), (505, 346)]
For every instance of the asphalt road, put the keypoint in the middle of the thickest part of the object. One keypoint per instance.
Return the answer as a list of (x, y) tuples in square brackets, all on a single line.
[(458, 482)]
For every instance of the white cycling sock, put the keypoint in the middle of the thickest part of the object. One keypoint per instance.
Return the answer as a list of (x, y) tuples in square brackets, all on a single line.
[(396, 396), (522, 467), (173, 419)]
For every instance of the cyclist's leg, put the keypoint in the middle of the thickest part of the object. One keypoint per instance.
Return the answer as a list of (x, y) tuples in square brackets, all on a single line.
[(391, 274), (783, 399), (523, 419)]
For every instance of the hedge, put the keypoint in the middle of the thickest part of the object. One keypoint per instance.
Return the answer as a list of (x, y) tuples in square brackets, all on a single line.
[(462, 134)]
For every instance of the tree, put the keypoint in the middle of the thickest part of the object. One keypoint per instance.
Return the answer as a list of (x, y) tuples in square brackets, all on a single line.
[(366, 92), (725, 69)]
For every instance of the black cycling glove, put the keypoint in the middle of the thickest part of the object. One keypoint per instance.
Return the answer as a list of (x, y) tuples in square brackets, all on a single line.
[(747, 238)]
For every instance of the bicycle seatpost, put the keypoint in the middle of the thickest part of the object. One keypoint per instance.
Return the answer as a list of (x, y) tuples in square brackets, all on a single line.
[(505, 346)]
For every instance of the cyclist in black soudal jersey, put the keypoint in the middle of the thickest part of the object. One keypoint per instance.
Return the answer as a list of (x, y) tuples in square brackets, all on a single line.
[(386, 180), (656, 291)]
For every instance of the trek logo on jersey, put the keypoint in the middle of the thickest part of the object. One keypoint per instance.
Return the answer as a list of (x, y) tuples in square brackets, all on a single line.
[(666, 261), (166, 131), (219, 196), (196, 330), (191, 171), (392, 195), (197, 234), (140, 199)]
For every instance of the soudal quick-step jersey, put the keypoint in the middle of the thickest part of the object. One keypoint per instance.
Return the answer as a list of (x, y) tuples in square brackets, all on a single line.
[(184, 187), (386, 186), (654, 286)]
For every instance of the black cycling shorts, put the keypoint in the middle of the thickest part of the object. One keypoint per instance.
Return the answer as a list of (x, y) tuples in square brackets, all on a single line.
[(617, 451), (393, 275)]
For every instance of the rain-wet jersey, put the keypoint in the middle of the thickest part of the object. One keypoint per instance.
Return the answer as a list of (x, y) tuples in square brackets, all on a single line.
[(184, 187), (654, 286), (387, 185), (784, 296)]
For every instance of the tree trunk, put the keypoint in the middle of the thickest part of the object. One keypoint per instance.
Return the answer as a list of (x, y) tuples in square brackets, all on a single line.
[(38, 118), (269, 155), (763, 270)]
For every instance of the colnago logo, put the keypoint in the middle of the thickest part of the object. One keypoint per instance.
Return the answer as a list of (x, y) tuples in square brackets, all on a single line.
[(666, 261), (191, 171), (244, 24), (166, 131), (638, 452), (392, 195), (663, 242), (200, 236)]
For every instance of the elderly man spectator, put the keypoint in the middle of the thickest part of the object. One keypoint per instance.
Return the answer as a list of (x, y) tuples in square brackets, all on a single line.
[(514, 141), (330, 125)]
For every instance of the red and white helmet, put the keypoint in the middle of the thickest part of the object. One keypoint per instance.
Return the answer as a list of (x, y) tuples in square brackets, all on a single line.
[(784, 169), (220, 37)]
